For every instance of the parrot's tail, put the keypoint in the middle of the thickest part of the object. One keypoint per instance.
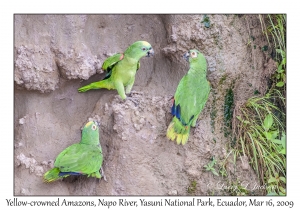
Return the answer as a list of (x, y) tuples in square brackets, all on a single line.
[(53, 175), (178, 131), (97, 85)]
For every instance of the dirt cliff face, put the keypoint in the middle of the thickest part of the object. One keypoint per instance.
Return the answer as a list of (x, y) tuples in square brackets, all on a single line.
[(56, 54)]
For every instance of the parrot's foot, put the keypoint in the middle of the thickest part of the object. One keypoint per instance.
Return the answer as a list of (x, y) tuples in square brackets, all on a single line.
[(102, 174)]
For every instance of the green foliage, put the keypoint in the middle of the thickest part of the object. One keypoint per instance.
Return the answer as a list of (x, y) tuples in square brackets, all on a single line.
[(223, 78), (228, 105), (256, 92), (228, 112), (237, 189), (222, 164), (223, 172), (192, 188), (206, 21), (274, 185), (210, 167), (260, 123), (264, 48), (214, 139), (261, 135), (280, 72), (275, 31)]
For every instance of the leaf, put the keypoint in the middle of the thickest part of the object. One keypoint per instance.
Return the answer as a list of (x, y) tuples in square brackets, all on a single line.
[(214, 172), (283, 139), (283, 77), (207, 24), (246, 122), (268, 135), (274, 134), (272, 179), (206, 21), (213, 162), (282, 179), (280, 71), (239, 118), (276, 141), (272, 193), (281, 52), (268, 122), (282, 189), (279, 84), (279, 68), (283, 151), (264, 48)]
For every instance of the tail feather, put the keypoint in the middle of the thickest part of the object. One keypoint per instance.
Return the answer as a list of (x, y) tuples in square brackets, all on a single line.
[(61, 174), (179, 138), (53, 175), (97, 85), (178, 131), (85, 88)]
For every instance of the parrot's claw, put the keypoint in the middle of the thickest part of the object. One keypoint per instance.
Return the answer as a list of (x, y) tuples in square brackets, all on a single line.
[(102, 174), (136, 103), (132, 93)]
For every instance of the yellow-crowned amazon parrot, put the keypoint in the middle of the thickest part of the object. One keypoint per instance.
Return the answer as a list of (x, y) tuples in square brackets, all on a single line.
[(83, 158), (121, 69), (190, 98)]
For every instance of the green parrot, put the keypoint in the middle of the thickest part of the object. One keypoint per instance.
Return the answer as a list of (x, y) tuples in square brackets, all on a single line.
[(83, 158), (121, 69), (189, 99)]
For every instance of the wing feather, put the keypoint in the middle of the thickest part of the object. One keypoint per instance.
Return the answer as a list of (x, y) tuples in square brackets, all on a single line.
[(82, 158), (109, 63), (191, 96)]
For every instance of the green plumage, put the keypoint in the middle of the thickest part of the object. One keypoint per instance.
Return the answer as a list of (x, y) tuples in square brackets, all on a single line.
[(190, 98), (121, 69), (83, 158)]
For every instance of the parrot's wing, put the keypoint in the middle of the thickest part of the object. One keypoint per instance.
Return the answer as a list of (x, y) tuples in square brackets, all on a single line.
[(189, 99), (115, 59), (80, 158), (179, 104), (109, 63)]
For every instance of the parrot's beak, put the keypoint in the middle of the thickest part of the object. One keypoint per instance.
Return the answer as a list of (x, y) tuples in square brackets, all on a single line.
[(186, 56), (150, 52), (97, 123)]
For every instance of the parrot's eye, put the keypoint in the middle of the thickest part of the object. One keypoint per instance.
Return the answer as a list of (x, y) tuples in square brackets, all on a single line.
[(94, 127), (143, 48), (193, 54)]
